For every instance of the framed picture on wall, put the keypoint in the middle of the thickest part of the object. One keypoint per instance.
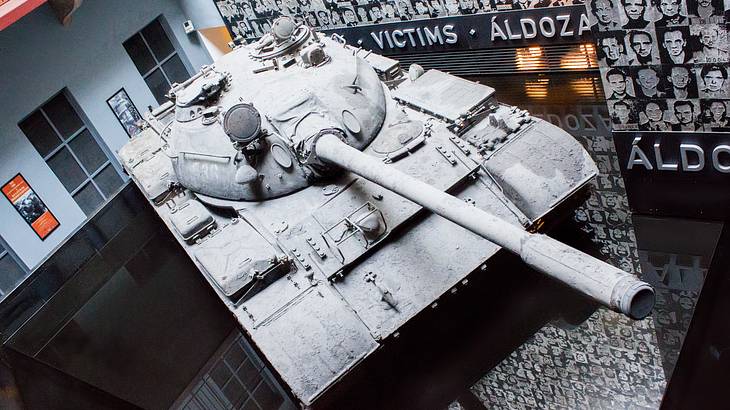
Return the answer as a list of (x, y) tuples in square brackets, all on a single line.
[(30, 206), (125, 111)]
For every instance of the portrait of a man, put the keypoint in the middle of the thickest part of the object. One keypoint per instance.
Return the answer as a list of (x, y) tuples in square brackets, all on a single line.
[(712, 50), (336, 18), (421, 8), (324, 19), (714, 115), (684, 113), (634, 10), (605, 15), (468, 7), (376, 14), (674, 45), (671, 13), (452, 7), (350, 18), (310, 19), (611, 50), (713, 81), (653, 113), (681, 82), (647, 80), (390, 12), (404, 10), (618, 85), (643, 46), (706, 11), (436, 9), (363, 15), (623, 116)]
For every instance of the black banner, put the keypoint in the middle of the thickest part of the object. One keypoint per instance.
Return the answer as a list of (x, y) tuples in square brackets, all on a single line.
[(676, 173), (552, 25)]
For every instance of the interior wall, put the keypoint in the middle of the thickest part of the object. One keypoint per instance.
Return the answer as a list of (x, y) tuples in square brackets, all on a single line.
[(40, 58), (216, 40)]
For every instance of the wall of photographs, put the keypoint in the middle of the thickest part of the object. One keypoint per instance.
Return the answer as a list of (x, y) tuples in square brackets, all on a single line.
[(249, 19), (664, 63)]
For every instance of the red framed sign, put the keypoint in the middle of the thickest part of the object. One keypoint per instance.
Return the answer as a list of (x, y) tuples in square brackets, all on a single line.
[(30, 206)]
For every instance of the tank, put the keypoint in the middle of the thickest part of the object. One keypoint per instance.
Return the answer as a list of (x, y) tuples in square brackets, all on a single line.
[(329, 197)]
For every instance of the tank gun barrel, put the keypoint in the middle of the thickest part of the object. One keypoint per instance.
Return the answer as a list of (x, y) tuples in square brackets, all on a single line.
[(598, 280)]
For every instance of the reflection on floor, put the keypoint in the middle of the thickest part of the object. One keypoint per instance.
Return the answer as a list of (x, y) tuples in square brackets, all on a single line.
[(608, 361), (675, 259)]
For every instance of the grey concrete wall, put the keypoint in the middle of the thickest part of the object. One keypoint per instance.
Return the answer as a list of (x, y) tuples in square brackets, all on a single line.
[(39, 58)]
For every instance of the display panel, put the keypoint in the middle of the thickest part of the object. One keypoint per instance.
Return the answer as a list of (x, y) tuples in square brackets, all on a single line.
[(30, 206), (666, 61), (470, 20), (125, 111)]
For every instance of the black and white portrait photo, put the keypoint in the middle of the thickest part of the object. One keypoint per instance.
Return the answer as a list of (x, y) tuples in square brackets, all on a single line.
[(714, 114), (405, 10), (680, 82), (712, 81), (617, 84), (126, 112), (647, 80), (30, 207), (611, 49), (323, 19), (705, 11), (643, 48), (469, 7), (653, 116), (452, 7), (685, 113), (623, 115), (672, 13), (363, 14), (436, 9), (635, 12), (603, 15), (349, 17), (390, 12), (711, 43), (502, 5), (674, 45)]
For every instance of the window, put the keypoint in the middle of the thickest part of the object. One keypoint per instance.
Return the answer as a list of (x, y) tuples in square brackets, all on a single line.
[(71, 151), (11, 274), (156, 59)]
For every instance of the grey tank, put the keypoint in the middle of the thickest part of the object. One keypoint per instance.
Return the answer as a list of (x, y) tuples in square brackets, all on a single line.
[(309, 182)]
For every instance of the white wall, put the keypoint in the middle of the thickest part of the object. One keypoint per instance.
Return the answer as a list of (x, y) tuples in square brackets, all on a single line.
[(38, 58)]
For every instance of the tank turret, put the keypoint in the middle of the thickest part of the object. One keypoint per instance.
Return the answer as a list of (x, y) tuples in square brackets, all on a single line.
[(330, 197)]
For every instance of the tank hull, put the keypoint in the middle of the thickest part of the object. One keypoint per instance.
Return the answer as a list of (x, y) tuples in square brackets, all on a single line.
[(325, 270)]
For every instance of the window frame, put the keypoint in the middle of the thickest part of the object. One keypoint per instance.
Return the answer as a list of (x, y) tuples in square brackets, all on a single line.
[(65, 143), (177, 51)]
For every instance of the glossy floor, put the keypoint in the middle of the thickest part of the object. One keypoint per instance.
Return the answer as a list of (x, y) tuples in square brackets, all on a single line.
[(608, 361)]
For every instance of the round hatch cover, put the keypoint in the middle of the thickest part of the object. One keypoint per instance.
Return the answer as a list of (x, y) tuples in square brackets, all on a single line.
[(242, 123), (283, 28), (281, 156)]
